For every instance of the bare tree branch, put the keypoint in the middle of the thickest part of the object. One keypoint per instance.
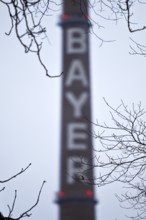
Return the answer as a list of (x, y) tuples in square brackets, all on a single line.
[(137, 49), (26, 213), (17, 174), (122, 155), (27, 20)]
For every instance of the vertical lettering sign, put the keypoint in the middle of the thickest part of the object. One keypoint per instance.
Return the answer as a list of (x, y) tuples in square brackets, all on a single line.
[(76, 199), (76, 113)]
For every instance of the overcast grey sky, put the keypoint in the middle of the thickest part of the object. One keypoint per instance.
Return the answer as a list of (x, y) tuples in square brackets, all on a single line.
[(30, 111)]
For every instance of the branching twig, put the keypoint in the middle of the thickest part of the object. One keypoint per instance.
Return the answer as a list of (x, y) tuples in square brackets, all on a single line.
[(121, 155), (17, 174), (25, 213)]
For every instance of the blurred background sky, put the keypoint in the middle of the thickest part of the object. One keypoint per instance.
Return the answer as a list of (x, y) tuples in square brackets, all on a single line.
[(30, 110)]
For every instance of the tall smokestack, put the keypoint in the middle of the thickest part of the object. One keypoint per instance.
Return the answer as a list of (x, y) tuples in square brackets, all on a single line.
[(76, 197)]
